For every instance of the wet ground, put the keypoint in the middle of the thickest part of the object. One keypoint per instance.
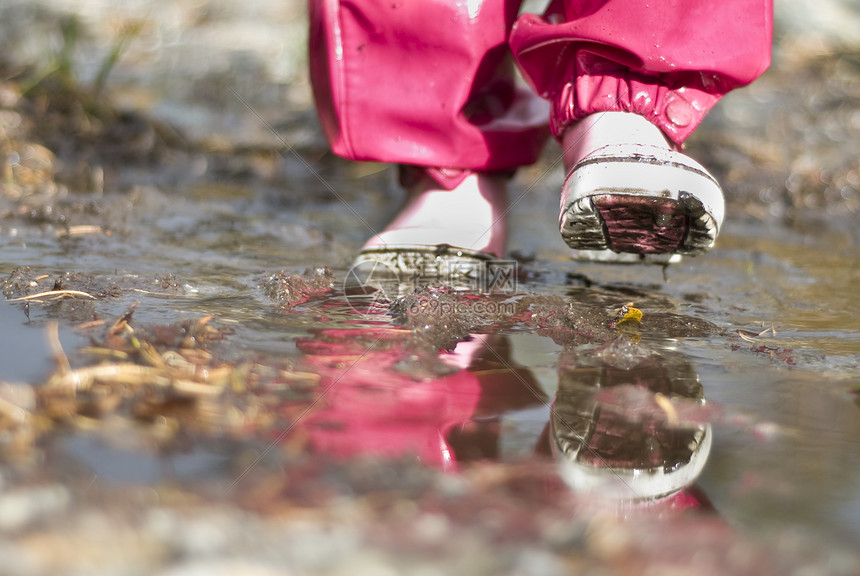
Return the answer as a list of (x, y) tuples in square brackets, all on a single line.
[(189, 384)]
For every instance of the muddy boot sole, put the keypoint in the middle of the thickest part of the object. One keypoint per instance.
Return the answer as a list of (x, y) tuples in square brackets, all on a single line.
[(408, 268), (641, 203)]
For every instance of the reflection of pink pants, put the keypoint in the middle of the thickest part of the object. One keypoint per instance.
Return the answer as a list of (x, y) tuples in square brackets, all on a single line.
[(431, 82)]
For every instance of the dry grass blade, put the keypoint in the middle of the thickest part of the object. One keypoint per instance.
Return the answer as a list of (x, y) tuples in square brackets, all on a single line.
[(192, 388), (57, 348), (151, 356), (88, 325), (300, 376), (13, 412), (128, 374), (750, 336), (122, 322), (153, 293), (120, 373), (746, 336), (81, 230), (53, 293), (772, 330), (100, 352)]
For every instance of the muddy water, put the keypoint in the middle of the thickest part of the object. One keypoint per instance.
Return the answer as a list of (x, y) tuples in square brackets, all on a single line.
[(422, 436), (784, 421)]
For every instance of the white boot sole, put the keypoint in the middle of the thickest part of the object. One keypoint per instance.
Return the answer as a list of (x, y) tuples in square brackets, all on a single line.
[(671, 183)]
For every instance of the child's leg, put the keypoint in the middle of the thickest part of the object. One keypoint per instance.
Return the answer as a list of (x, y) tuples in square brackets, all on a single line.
[(667, 63), (428, 84)]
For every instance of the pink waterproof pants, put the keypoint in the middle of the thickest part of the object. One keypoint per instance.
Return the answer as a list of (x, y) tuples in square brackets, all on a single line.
[(431, 82)]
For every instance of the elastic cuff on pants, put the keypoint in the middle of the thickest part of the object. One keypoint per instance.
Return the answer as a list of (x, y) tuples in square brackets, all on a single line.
[(675, 103)]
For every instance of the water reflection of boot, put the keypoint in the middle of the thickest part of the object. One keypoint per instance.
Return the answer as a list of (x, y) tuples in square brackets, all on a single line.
[(505, 387), (382, 399), (615, 427), (378, 401)]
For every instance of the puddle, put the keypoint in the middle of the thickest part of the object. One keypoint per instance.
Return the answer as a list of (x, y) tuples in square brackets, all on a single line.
[(217, 395), (25, 353)]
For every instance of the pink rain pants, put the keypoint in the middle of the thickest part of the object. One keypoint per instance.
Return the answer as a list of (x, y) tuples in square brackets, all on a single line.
[(431, 82)]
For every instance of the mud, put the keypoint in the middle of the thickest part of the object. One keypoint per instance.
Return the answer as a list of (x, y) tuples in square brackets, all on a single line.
[(190, 383)]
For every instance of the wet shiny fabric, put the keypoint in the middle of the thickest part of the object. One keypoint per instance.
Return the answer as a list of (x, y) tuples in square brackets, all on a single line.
[(432, 83)]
